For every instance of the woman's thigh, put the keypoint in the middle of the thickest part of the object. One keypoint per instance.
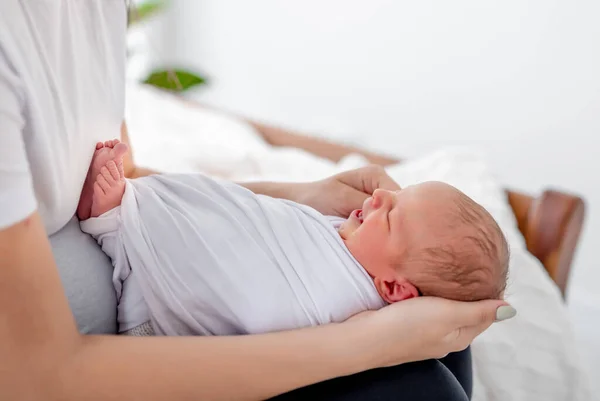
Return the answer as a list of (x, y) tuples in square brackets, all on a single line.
[(461, 366), (86, 275), (425, 380)]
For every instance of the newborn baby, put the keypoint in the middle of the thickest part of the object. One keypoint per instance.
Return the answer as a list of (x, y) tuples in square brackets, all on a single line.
[(195, 255)]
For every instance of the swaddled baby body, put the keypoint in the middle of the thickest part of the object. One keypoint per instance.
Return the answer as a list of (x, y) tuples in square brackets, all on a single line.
[(195, 255)]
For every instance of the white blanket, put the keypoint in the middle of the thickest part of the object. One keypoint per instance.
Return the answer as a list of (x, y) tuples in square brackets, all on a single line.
[(213, 258), (530, 358)]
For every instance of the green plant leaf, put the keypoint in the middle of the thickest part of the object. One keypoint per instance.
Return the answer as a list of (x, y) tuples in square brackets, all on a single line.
[(174, 80), (142, 11)]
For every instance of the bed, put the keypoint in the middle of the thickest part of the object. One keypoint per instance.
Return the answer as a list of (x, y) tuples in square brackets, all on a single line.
[(550, 222), (532, 357)]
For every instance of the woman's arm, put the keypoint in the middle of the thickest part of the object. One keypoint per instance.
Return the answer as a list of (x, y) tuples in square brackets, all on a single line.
[(319, 147), (44, 357), (336, 195)]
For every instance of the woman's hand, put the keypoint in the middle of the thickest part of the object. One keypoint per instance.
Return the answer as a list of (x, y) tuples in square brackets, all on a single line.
[(425, 328), (340, 194)]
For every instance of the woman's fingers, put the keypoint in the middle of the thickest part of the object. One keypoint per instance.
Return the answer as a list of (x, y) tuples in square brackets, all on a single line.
[(368, 179), (482, 312), (428, 327), (352, 199), (476, 317), (382, 180), (346, 191), (505, 312)]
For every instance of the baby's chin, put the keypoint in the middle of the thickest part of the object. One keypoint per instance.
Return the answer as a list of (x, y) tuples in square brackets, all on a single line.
[(344, 230), (351, 224)]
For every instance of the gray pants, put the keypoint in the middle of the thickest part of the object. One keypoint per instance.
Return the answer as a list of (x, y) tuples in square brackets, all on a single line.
[(143, 330), (86, 274)]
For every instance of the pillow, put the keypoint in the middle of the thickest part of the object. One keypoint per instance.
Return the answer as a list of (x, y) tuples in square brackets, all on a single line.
[(169, 135)]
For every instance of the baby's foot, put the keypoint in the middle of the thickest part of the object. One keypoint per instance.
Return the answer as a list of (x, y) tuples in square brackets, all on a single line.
[(108, 188), (109, 151)]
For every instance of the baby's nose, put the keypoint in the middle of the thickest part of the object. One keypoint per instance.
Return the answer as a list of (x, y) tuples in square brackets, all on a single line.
[(380, 196), (382, 192)]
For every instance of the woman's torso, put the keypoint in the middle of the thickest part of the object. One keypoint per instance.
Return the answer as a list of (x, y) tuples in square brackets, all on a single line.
[(64, 61), (68, 59)]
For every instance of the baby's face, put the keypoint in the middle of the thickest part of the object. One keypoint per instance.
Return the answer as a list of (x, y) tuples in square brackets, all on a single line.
[(428, 238), (390, 224)]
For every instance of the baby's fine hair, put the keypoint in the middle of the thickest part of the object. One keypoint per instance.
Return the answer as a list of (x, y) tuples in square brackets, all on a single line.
[(473, 264)]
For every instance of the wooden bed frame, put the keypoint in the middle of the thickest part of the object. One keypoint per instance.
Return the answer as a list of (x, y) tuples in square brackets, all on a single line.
[(550, 223)]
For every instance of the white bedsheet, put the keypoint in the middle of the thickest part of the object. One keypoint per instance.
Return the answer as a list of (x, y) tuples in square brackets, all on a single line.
[(532, 357)]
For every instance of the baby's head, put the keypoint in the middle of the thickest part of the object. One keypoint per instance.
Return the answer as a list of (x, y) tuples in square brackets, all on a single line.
[(428, 239)]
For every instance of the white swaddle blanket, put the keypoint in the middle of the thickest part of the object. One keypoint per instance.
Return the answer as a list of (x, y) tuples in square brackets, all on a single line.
[(212, 258)]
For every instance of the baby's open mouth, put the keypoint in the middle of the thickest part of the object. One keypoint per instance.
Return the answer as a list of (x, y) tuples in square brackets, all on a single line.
[(359, 215)]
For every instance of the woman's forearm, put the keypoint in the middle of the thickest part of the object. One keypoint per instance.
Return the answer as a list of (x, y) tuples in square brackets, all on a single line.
[(44, 357), (208, 368)]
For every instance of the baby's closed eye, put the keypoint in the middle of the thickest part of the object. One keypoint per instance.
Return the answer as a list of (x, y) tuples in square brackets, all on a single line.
[(389, 221)]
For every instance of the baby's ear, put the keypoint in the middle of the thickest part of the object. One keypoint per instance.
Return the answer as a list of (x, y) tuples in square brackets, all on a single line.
[(395, 290)]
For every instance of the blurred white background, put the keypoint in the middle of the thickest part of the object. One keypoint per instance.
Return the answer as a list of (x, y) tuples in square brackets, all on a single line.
[(517, 78)]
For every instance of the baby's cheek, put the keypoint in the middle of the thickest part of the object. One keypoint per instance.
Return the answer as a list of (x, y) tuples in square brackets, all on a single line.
[(368, 247), (356, 245)]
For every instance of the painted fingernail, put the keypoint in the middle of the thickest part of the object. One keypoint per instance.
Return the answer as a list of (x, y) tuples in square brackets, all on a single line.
[(505, 312)]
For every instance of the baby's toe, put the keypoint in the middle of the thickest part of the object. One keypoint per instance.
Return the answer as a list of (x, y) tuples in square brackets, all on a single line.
[(100, 180), (98, 191), (106, 174), (121, 171), (113, 169)]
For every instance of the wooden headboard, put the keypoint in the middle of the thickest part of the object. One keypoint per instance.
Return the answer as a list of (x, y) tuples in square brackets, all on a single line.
[(551, 225)]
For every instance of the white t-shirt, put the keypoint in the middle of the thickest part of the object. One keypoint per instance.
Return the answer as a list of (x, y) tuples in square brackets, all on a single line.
[(62, 66)]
